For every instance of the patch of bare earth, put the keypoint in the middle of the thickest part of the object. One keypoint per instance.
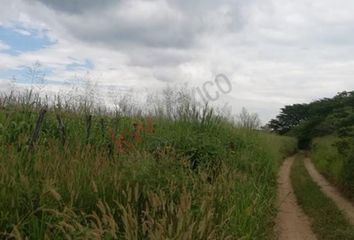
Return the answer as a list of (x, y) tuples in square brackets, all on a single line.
[(291, 222), (330, 191)]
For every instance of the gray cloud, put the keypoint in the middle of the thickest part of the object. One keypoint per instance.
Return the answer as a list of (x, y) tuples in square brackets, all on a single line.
[(152, 32), (159, 23), (77, 6), (275, 51)]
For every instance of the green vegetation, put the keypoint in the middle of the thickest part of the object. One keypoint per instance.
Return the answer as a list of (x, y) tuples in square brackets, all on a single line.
[(326, 157), (70, 172), (327, 127), (334, 163), (327, 221), (329, 116)]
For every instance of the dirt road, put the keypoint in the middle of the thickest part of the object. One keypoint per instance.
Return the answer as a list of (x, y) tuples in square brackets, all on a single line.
[(331, 192), (291, 223)]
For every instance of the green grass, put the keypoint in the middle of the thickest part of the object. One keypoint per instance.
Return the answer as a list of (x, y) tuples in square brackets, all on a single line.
[(335, 166), (135, 176), (327, 221), (327, 158)]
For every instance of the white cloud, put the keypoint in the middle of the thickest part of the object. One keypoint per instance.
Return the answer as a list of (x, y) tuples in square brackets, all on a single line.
[(3, 46), (275, 52), (22, 32)]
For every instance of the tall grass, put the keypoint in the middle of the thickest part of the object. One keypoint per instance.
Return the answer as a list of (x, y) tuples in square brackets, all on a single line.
[(334, 157), (177, 173), (327, 158)]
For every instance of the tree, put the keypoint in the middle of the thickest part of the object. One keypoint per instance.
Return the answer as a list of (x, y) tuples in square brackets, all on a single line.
[(289, 117), (248, 120), (37, 76), (319, 118)]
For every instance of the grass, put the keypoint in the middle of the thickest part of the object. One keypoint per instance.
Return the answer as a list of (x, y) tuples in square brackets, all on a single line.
[(110, 175), (335, 166), (328, 222), (327, 158)]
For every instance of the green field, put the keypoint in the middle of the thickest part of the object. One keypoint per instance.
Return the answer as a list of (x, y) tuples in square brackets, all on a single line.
[(71, 172)]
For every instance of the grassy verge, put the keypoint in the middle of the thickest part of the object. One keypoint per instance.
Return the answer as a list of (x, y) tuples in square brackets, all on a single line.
[(88, 175), (336, 166), (327, 158), (327, 221)]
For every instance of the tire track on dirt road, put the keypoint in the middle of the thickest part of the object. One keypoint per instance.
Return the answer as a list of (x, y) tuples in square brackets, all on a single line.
[(291, 222), (330, 191)]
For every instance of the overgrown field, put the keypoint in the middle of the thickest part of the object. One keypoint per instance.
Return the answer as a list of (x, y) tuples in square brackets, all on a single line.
[(73, 173)]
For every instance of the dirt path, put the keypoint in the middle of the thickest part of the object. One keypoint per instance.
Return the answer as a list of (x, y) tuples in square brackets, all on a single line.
[(291, 223), (342, 203)]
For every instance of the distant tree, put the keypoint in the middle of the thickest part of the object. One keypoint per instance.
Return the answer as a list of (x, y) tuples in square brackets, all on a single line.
[(289, 117), (36, 75), (322, 117), (248, 120)]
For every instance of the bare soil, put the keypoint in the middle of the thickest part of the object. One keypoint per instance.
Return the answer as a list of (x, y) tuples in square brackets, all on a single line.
[(330, 191), (291, 223)]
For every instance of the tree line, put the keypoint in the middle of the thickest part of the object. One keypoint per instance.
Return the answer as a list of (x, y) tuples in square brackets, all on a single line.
[(327, 116)]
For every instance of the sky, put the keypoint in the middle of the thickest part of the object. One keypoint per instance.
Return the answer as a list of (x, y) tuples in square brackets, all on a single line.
[(273, 52)]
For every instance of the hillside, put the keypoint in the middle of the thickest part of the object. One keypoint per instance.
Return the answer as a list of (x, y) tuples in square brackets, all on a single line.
[(74, 172)]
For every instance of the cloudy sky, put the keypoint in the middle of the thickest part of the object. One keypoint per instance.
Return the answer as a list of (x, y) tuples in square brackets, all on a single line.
[(274, 52)]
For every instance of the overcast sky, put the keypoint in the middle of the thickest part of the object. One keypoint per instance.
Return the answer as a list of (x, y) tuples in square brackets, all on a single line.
[(274, 52)]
